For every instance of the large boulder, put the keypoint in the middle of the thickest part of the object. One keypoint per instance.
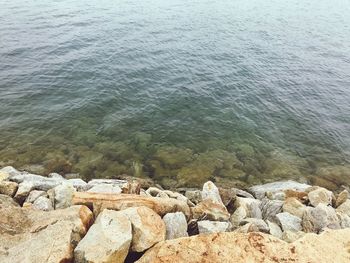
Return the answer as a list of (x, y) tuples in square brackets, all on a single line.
[(148, 228), (28, 235), (252, 247), (108, 239), (176, 225), (259, 191)]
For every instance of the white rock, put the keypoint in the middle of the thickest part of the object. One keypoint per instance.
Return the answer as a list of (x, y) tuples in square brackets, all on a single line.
[(43, 203), (318, 218), (207, 226), (260, 190), (211, 192), (289, 221), (55, 176), (79, 184), (261, 224), (252, 206), (108, 240), (105, 188), (120, 183), (275, 230), (176, 225), (320, 196), (63, 195), (8, 171), (344, 208), (35, 194), (238, 215), (148, 228), (23, 191)]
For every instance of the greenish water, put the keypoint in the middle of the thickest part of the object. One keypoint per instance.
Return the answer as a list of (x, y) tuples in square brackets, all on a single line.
[(239, 92)]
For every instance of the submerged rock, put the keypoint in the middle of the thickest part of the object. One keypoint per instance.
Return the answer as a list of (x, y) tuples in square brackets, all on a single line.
[(176, 225), (108, 239)]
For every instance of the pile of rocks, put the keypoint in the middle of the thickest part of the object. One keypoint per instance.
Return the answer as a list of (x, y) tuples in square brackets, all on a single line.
[(54, 219)]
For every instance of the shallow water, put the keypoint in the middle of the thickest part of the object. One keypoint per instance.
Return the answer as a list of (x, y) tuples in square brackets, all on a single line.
[(240, 92)]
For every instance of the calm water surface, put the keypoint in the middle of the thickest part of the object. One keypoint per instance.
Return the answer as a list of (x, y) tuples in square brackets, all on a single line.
[(236, 91)]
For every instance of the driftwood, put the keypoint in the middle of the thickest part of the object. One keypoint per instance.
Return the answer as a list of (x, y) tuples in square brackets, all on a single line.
[(99, 201)]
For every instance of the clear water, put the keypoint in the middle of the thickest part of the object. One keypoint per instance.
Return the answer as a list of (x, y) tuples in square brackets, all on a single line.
[(236, 91)]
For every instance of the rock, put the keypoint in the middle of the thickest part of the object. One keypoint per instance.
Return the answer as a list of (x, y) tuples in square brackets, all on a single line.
[(242, 193), (319, 218), (23, 191), (108, 240), (28, 235), (344, 220), (63, 195), (342, 197), (121, 183), (105, 188), (211, 192), (55, 176), (250, 227), (79, 184), (270, 208), (291, 236), (133, 187), (320, 196), (148, 227), (207, 226), (155, 192), (289, 221), (207, 209), (344, 208), (300, 196), (38, 182), (195, 196), (43, 203), (275, 230), (35, 194), (7, 201), (122, 201), (294, 207), (176, 225), (238, 216), (8, 188), (7, 171), (259, 223), (252, 206), (260, 190), (228, 196), (252, 247)]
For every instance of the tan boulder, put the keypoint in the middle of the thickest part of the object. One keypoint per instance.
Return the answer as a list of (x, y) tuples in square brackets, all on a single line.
[(107, 241), (320, 196), (252, 247), (148, 228), (210, 210), (342, 197), (8, 188), (293, 206), (123, 201), (28, 235)]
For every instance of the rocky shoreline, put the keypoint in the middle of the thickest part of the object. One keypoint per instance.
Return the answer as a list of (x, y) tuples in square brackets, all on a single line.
[(57, 219)]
